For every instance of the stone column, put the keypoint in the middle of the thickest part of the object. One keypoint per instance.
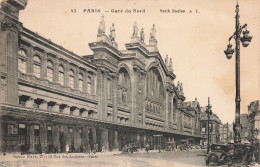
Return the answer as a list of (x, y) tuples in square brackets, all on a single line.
[(114, 92), (104, 94), (116, 141), (145, 140), (134, 107), (76, 78), (56, 70), (166, 116), (56, 135), (77, 139), (66, 74), (104, 139), (10, 28), (31, 134), (44, 66), (94, 133), (43, 137), (1, 135), (85, 139), (99, 92), (30, 55)]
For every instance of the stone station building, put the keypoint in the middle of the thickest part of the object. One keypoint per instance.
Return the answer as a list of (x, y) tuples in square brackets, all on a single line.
[(51, 97)]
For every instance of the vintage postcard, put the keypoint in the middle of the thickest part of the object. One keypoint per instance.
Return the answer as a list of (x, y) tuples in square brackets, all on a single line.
[(129, 83)]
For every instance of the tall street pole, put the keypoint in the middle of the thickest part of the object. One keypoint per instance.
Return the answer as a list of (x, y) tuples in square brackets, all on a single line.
[(209, 112), (237, 126)]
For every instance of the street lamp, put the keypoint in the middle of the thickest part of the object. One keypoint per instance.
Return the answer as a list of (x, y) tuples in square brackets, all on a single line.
[(246, 39), (209, 112)]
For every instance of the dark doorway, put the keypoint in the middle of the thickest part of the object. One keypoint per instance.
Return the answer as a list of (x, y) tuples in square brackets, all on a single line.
[(23, 141), (62, 142)]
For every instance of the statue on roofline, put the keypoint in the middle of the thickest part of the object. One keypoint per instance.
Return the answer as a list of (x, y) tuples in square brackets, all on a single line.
[(101, 28)]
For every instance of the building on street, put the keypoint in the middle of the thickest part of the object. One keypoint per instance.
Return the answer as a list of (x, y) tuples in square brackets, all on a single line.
[(214, 127), (51, 97)]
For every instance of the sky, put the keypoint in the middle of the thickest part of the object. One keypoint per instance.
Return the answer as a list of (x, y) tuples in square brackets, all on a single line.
[(195, 40)]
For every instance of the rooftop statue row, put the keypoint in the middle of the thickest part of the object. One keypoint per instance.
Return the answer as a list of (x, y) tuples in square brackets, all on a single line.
[(102, 29), (112, 35), (142, 36)]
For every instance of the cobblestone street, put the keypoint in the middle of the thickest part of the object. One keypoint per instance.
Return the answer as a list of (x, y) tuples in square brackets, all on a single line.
[(153, 158)]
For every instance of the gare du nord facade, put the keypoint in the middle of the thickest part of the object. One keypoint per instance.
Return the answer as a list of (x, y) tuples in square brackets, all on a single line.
[(51, 97)]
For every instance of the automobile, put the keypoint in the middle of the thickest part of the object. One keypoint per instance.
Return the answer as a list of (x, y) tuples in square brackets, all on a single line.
[(220, 154), (131, 147), (170, 146)]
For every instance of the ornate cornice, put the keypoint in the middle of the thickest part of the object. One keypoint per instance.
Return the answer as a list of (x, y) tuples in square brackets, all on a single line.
[(8, 23)]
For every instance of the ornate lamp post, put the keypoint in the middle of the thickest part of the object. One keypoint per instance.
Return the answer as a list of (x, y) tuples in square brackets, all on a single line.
[(246, 39), (209, 112)]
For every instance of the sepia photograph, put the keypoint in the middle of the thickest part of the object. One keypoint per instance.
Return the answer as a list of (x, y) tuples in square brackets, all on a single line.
[(129, 83)]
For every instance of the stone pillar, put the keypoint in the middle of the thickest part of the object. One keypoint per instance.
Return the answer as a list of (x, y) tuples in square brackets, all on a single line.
[(144, 139), (94, 133), (104, 94), (30, 54), (99, 92), (56, 135), (56, 70), (77, 139), (85, 139), (134, 107), (114, 92), (151, 142), (9, 30), (31, 134), (116, 141), (166, 115), (66, 71), (138, 137), (76, 78), (1, 134), (43, 137), (44, 66), (104, 139)]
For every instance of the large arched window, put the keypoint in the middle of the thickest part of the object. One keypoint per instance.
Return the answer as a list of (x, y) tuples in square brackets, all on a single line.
[(81, 82), (89, 81), (50, 71), (61, 75), (154, 85), (71, 79), (155, 93), (22, 59), (37, 66)]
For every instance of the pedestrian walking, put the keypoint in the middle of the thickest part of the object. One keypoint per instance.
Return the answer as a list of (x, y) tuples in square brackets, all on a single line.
[(147, 147), (67, 148)]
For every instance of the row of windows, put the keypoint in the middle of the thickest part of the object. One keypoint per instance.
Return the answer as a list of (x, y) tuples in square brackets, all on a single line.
[(22, 66)]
